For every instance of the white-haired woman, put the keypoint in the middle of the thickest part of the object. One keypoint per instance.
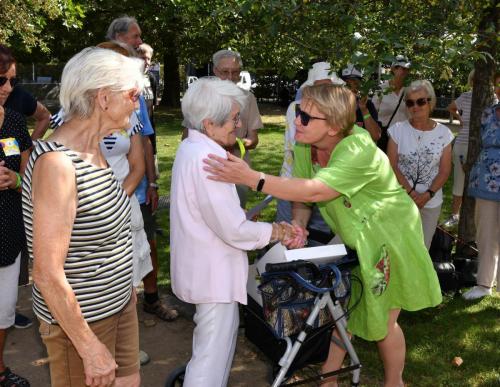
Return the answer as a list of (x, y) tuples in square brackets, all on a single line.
[(419, 150), (77, 218), (209, 232), (360, 199)]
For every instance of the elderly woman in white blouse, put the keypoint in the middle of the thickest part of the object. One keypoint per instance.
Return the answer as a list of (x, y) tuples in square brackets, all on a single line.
[(419, 150), (209, 233)]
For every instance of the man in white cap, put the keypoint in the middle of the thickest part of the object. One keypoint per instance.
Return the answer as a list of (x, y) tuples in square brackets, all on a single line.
[(318, 230), (389, 99)]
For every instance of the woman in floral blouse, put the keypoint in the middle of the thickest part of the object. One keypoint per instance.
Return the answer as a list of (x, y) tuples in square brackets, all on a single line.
[(485, 187)]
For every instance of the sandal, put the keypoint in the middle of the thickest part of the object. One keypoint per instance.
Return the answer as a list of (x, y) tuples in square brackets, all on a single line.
[(161, 310), (10, 379)]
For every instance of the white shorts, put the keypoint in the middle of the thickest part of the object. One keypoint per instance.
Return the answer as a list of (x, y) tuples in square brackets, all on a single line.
[(9, 277)]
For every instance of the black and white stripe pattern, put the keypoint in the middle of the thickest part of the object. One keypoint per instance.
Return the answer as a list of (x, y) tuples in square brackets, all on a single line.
[(99, 262)]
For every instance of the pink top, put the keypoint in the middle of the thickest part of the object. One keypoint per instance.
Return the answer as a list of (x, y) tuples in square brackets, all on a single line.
[(209, 234)]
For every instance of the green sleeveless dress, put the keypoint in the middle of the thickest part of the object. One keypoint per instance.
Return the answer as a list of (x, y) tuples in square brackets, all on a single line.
[(376, 217)]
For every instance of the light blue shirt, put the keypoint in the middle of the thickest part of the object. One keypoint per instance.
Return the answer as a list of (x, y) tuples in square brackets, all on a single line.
[(147, 130)]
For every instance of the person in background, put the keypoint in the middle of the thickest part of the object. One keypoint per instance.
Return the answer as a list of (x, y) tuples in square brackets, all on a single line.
[(362, 201), (209, 234), (27, 105), (484, 185), (419, 150), (227, 66), (389, 99), (15, 144), (127, 31), (460, 109), (319, 231), (366, 114)]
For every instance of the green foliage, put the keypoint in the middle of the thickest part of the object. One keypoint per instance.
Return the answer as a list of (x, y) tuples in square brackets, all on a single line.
[(24, 22)]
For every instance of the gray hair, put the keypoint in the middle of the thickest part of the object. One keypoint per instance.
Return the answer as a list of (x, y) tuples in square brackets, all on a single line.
[(92, 69), (210, 98), (221, 54), (425, 85), (145, 48), (120, 25), (470, 79)]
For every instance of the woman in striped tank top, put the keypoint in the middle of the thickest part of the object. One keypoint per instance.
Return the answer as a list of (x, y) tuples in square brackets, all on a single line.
[(77, 220)]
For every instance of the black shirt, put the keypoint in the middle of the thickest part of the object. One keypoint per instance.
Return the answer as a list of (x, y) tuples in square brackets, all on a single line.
[(21, 101), (14, 139)]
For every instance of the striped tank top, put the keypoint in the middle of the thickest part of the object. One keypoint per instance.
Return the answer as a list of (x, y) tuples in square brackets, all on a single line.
[(98, 265)]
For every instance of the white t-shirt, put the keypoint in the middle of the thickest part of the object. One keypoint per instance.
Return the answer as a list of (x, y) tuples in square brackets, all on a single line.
[(387, 103), (419, 155), (464, 103)]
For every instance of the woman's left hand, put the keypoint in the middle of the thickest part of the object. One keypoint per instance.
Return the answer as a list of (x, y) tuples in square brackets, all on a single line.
[(421, 199), (7, 177), (230, 170)]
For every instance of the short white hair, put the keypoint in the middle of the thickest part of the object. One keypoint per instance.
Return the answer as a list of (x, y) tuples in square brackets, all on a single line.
[(426, 86), (221, 54), (120, 25), (145, 48), (92, 69), (210, 98)]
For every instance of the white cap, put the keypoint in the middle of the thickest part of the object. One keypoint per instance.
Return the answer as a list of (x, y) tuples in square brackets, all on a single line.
[(351, 72), (402, 61), (321, 71)]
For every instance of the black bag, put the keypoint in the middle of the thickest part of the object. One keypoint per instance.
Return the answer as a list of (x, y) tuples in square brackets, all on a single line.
[(440, 251)]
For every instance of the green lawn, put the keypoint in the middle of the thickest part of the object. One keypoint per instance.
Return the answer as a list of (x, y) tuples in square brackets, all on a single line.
[(470, 330)]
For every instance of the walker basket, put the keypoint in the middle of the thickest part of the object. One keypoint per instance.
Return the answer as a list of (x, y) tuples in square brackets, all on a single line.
[(287, 303)]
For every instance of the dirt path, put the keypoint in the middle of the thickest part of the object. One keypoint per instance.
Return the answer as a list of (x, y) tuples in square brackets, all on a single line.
[(168, 345)]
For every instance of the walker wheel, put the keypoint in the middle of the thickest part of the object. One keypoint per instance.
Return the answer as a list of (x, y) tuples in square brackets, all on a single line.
[(176, 377)]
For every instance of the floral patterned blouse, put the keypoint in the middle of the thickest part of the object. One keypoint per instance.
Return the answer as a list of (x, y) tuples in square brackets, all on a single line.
[(485, 174)]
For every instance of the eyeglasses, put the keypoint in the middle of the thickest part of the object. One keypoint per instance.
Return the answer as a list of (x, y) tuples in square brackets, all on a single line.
[(420, 102), (134, 95), (13, 81), (305, 117)]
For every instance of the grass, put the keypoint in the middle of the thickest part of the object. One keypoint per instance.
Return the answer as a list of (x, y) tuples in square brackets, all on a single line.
[(470, 330)]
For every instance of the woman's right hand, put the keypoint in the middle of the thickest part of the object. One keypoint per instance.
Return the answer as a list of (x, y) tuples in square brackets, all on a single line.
[(231, 170), (99, 365)]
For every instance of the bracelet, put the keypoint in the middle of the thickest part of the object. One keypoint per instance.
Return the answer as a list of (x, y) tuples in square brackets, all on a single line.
[(18, 180), (153, 185), (366, 116), (261, 182)]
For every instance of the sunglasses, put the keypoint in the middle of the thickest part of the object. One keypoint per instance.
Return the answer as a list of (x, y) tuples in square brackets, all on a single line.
[(305, 117), (420, 102), (13, 81)]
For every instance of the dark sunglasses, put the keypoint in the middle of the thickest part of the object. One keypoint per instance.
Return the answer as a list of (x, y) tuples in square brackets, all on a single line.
[(305, 117), (13, 81), (420, 102)]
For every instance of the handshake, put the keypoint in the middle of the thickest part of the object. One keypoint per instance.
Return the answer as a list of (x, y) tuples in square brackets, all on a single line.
[(290, 235)]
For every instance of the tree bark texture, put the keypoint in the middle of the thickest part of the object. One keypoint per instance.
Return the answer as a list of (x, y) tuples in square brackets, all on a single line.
[(171, 88), (482, 97)]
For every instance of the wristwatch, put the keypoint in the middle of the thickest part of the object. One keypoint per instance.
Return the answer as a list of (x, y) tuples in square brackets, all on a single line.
[(431, 193), (153, 185)]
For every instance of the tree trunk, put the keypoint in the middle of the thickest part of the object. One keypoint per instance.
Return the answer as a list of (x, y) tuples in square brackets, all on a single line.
[(171, 88), (482, 97)]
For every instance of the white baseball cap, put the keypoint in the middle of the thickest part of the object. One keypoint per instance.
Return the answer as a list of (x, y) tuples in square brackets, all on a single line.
[(401, 61)]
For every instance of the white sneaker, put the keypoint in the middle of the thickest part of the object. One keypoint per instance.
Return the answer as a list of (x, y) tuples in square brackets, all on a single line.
[(452, 220), (476, 292)]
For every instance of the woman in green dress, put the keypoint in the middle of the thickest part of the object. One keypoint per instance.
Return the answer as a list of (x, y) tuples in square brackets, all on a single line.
[(338, 166)]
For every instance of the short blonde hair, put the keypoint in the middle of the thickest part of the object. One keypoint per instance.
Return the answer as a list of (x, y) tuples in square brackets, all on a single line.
[(336, 102), (425, 85), (92, 69)]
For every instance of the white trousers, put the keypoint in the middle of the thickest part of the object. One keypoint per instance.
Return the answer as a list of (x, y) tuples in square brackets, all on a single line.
[(214, 342), (430, 217), (9, 277), (487, 218)]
